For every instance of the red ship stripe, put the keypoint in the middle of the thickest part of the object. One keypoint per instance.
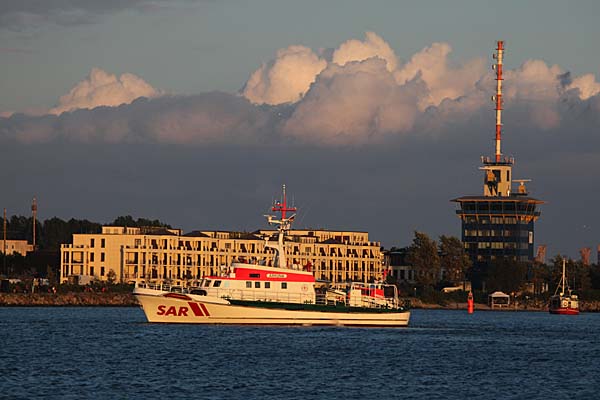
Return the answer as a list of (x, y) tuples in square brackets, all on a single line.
[(196, 309), (205, 310)]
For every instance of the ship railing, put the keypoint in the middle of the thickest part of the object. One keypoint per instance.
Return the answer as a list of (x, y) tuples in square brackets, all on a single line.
[(262, 295), (164, 287)]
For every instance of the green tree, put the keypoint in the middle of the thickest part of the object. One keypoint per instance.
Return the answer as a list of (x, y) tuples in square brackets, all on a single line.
[(579, 276), (129, 221), (111, 277), (506, 275), (454, 259), (423, 256)]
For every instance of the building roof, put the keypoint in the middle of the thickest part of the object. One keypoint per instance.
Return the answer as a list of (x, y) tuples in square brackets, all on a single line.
[(160, 232), (513, 198), (195, 234)]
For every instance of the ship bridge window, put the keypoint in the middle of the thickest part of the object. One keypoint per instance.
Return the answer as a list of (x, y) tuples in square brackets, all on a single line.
[(248, 285), (267, 285), (284, 285), (254, 275), (207, 283), (217, 284), (257, 285)]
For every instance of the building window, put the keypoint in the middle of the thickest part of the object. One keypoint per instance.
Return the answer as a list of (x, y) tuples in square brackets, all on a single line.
[(92, 242), (92, 271), (284, 285), (101, 256), (101, 271), (102, 243), (257, 285), (92, 258), (248, 285)]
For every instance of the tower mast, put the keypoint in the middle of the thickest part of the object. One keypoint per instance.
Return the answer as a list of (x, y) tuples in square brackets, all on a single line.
[(34, 213), (499, 56)]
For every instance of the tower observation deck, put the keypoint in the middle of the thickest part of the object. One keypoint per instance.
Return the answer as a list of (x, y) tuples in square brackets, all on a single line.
[(499, 223)]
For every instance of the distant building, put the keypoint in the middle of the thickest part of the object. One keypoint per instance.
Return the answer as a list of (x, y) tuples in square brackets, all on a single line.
[(397, 266), (21, 247), (168, 255), (585, 253)]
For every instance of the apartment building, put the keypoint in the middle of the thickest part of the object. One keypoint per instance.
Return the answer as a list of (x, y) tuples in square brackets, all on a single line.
[(159, 254)]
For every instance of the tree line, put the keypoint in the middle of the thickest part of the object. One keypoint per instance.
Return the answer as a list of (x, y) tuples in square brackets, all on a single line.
[(429, 258), (50, 234), (53, 232)]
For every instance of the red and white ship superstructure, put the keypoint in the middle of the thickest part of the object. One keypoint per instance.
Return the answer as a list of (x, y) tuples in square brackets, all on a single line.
[(256, 293)]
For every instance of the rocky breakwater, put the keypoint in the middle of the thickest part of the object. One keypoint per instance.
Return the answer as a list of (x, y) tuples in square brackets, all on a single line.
[(589, 306), (67, 299)]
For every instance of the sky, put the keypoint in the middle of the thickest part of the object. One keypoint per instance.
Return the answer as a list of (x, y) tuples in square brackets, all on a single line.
[(374, 114)]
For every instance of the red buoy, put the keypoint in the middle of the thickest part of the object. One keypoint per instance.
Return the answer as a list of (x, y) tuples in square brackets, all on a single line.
[(470, 303)]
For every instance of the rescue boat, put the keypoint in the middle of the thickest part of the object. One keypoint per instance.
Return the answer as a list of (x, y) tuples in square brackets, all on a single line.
[(261, 294)]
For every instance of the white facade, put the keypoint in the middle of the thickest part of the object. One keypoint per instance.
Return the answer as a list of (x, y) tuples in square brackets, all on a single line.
[(167, 255), (15, 247)]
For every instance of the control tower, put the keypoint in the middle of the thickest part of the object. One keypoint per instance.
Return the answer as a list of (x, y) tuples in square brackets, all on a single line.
[(499, 223)]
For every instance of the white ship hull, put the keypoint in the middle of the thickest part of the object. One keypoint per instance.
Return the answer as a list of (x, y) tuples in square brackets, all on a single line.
[(207, 310)]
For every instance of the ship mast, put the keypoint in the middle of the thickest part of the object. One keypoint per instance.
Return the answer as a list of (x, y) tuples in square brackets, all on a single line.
[(284, 224), (562, 281)]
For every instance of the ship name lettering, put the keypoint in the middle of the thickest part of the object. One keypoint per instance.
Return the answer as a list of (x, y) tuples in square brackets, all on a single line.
[(172, 310)]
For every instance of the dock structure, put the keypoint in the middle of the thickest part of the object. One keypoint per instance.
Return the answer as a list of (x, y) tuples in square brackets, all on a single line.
[(499, 223)]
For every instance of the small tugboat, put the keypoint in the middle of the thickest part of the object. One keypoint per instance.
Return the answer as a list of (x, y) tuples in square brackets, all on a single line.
[(561, 302), (260, 294)]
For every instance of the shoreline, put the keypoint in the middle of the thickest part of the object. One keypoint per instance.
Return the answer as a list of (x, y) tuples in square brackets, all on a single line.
[(99, 299), (72, 299)]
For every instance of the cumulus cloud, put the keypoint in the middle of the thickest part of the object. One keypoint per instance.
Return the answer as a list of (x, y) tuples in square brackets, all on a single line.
[(285, 79), (103, 89), (353, 104), (443, 82), (357, 94), (372, 46), (201, 119), (586, 85)]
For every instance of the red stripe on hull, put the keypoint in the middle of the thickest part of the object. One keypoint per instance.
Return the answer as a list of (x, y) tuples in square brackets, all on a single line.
[(196, 309), (204, 309), (564, 311)]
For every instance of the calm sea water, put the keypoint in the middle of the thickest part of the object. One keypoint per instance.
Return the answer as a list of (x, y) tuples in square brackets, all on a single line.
[(112, 353)]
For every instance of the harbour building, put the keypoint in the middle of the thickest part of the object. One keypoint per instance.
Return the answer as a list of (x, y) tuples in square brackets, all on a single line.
[(500, 222), (160, 254)]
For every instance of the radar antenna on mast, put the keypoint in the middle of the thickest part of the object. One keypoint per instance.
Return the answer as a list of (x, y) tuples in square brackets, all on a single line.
[(284, 224)]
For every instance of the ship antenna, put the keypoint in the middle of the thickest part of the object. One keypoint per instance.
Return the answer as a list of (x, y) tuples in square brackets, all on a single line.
[(499, 56), (282, 208), (284, 223)]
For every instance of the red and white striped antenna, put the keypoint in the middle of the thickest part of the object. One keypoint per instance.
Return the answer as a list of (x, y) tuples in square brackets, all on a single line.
[(499, 56)]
